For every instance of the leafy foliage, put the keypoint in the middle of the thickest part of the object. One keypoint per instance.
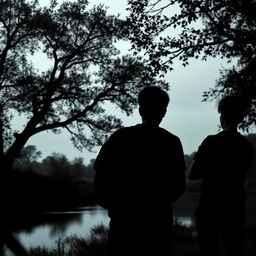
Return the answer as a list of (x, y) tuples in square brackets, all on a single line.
[(184, 29), (86, 71), (55, 165)]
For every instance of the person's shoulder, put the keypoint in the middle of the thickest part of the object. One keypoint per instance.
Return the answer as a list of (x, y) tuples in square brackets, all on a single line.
[(213, 136), (169, 135), (209, 140), (246, 142), (236, 138), (117, 136), (124, 131)]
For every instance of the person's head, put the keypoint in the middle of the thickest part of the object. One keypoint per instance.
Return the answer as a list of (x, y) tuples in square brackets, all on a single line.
[(232, 109), (153, 102)]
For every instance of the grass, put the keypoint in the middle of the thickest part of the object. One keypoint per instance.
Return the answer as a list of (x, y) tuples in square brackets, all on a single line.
[(96, 243), (184, 243)]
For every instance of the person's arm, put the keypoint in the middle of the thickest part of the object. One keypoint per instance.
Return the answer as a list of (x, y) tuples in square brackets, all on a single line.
[(179, 185), (199, 162), (179, 179), (100, 183), (103, 172)]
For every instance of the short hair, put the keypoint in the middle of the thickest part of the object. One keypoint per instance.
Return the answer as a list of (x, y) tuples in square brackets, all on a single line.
[(233, 107), (153, 95), (153, 102)]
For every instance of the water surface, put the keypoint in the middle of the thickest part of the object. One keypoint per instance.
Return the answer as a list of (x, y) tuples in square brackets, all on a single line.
[(78, 221)]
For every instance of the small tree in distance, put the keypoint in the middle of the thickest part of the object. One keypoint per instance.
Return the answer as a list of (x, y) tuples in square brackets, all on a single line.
[(87, 71)]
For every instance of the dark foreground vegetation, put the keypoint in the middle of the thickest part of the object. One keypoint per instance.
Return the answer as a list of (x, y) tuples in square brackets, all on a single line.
[(96, 243), (184, 243)]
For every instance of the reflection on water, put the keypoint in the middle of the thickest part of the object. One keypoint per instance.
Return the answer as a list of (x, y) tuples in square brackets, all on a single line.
[(77, 221), (46, 229), (185, 221)]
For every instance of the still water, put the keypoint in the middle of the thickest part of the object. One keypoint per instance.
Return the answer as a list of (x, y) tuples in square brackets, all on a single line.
[(57, 225), (78, 221), (53, 226)]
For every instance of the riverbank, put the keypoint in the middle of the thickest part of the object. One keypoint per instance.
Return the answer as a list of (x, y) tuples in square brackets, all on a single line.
[(54, 234), (184, 244)]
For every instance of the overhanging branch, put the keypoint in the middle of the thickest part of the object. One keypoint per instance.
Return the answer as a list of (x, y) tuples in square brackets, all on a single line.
[(63, 124)]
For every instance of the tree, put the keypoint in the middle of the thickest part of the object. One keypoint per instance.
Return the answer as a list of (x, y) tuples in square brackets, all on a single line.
[(57, 165), (18, 37), (28, 156), (30, 153), (204, 29), (78, 167), (86, 71)]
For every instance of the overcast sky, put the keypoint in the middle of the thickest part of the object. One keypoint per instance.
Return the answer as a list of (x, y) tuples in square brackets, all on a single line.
[(187, 117)]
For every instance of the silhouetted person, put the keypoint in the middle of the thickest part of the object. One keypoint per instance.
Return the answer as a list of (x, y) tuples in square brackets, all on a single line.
[(139, 174), (221, 162)]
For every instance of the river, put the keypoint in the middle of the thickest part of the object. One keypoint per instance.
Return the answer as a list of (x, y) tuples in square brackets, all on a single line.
[(78, 221), (53, 226)]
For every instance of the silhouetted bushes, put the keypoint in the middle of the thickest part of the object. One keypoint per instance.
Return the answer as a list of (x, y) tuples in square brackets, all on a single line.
[(96, 243), (184, 243), (28, 191)]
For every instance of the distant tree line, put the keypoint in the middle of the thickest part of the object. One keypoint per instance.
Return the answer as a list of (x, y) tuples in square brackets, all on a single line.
[(51, 184), (57, 182), (56, 165)]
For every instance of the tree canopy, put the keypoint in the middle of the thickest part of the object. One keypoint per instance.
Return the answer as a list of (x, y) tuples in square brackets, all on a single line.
[(86, 71), (183, 29)]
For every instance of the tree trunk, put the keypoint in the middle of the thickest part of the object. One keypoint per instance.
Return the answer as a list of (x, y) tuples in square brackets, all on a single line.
[(14, 151)]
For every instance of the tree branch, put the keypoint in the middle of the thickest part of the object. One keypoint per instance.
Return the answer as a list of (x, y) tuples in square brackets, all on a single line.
[(1, 138), (99, 98), (159, 10), (183, 49), (5, 26)]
